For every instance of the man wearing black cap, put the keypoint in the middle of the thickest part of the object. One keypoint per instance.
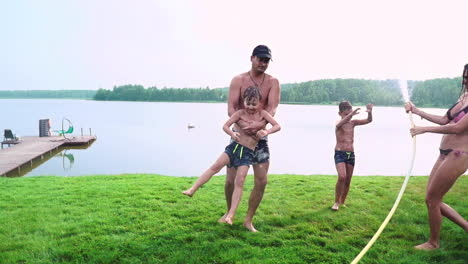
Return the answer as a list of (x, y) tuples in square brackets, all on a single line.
[(270, 90)]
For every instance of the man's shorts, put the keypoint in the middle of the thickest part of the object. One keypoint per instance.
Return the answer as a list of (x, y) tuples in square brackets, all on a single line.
[(262, 152), (239, 155), (344, 156)]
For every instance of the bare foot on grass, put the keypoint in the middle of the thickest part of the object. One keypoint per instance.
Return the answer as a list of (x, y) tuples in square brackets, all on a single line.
[(227, 220), (188, 192), (250, 227), (427, 246), (222, 219), (335, 207)]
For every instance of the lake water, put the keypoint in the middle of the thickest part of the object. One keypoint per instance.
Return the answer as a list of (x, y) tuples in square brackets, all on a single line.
[(149, 137)]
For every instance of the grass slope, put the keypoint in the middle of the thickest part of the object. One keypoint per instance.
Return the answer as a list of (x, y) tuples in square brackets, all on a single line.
[(145, 219)]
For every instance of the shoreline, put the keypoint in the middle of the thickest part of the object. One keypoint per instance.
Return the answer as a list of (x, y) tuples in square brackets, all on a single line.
[(207, 102)]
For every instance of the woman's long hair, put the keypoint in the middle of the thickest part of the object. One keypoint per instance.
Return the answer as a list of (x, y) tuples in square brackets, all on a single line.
[(464, 88)]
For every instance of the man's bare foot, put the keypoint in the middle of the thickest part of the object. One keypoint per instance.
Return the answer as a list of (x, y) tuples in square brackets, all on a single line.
[(188, 192), (250, 227), (427, 246), (335, 207)]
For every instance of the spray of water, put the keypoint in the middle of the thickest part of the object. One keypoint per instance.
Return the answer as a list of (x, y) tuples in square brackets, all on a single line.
[(404, 89), (405, 94)]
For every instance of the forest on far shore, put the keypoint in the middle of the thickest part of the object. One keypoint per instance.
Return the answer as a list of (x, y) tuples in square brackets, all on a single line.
[(442, 92)]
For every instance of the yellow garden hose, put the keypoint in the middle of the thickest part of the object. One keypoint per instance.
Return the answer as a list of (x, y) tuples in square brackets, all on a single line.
[(395, 205)]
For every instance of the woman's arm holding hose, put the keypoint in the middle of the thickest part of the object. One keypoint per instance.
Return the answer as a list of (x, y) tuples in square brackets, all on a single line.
[(453, 128), (440, 120)]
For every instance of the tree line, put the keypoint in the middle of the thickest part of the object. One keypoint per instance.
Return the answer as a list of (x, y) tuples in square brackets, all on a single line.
[(441, 92), (431, 93), (357, 91), (48, 94), (139, 93)]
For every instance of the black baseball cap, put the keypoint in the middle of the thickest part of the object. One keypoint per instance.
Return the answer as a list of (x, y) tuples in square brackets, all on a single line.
[(262, 51)]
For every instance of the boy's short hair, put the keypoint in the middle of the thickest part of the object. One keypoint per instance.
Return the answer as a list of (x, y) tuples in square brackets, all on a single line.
[(344, 105), (252, 92)]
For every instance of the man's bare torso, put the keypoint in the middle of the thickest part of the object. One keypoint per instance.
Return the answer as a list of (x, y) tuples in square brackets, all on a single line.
[(264, 87)]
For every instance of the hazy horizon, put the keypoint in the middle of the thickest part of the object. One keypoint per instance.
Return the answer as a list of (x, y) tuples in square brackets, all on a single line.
[(87, 45), (146, 87)]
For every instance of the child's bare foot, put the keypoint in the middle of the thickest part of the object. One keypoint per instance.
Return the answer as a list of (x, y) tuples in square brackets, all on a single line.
[(335, 207), (250, 227), (188, 192), (427, 246), (222, 219), (227, 220)]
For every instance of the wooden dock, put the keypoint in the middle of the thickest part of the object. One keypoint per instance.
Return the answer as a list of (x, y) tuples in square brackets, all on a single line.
[(32, 148)]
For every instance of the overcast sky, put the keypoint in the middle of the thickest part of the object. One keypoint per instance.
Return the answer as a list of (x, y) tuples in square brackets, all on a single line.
[(91, 44)]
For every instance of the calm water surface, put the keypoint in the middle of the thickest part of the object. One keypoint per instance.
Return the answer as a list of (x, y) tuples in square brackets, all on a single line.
[(148, 137)]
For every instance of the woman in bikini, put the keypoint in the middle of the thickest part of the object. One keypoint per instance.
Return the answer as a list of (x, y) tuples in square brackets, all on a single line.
[(451, 163)]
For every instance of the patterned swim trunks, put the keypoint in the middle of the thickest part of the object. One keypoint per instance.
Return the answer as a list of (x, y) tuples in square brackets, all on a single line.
[(344, 156), (239, 155), (261, 153)]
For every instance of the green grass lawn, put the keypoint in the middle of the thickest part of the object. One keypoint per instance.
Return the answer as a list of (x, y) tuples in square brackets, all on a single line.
[(146, 219)]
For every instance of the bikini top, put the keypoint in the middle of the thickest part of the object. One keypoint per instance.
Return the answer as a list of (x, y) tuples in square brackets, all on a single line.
[(458, 115)]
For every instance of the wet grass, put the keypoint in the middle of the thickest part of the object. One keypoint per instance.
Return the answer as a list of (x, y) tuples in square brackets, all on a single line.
[(145, 219)]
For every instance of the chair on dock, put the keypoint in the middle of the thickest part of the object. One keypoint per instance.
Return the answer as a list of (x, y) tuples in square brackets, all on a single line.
[(63, 132), (9, 138)]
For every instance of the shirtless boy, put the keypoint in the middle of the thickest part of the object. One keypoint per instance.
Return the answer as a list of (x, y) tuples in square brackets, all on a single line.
[(344, 149)]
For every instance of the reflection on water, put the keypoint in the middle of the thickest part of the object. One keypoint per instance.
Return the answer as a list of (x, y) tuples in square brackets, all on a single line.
[(64, 154), (67, 159), (150, 137)]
